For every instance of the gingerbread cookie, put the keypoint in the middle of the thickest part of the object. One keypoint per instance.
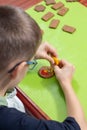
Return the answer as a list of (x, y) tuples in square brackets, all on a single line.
[(47, 16), (39, 8), (68, 29), (63, 11), (57, 5), (46, 72), (54, 23), (48, 2), (71, 0)]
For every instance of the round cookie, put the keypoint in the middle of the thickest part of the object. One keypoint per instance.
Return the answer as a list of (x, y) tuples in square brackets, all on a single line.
[(39, 8), (46, 72)]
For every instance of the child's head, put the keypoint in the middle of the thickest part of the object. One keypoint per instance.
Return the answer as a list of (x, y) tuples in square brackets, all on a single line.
[(19, 37)]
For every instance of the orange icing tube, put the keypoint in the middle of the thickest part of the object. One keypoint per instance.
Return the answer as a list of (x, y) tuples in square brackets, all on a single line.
[(56, 60)]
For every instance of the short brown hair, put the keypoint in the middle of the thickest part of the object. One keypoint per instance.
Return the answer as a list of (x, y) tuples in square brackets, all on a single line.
[(19, 35)]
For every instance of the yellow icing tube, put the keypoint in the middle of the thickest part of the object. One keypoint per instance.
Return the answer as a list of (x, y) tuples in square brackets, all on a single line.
[(56, 60)]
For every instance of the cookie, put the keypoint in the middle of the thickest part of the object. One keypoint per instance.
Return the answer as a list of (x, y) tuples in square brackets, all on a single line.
[(71, 0), (47, 16), (54, 23), (48, 2), (68, 29), (46, 72), (39, 8), (57, 5), (63, 11)]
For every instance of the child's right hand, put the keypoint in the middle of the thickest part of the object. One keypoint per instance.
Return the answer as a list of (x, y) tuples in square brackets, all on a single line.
[(65, 73)]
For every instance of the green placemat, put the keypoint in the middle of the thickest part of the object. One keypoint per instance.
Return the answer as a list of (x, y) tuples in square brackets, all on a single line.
[(46, 93)]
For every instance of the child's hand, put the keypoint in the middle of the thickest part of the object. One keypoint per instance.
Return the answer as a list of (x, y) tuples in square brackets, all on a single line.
[(65, 73), (46, 51)]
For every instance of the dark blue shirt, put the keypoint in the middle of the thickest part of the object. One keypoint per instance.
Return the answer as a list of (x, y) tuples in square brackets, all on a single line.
[(12, 119)]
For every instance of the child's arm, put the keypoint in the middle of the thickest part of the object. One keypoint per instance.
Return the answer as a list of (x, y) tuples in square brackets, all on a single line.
[(74, 109)]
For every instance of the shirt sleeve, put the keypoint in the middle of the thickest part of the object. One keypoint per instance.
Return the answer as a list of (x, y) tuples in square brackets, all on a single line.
[(30, 123), (13, 119)]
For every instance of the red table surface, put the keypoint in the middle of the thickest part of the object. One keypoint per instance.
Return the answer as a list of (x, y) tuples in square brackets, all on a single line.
[(25, 4), (84, 2)]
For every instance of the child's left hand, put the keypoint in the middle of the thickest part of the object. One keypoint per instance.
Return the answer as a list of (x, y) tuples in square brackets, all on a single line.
[(46, 51)]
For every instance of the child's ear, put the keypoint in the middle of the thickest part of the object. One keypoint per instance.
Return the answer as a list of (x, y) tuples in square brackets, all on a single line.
[(14, 73), (17, 70)]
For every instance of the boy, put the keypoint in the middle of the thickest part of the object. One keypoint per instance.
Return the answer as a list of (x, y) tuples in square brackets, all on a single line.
[(20, 36)]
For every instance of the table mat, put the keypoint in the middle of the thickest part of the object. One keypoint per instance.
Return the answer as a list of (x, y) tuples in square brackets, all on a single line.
[(46, 93)]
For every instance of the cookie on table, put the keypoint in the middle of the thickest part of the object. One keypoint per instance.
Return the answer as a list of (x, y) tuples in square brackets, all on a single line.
[(46, 72), (72, 0), (54, 23), (47, 16), (57, 5), (48, 2), (39, 8), (68, 29), (63, 11)]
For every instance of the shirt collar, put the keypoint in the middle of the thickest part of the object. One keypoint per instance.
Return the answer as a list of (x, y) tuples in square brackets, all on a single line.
[(10, 93)]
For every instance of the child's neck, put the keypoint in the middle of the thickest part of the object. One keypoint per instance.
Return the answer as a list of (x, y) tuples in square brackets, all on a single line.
[(4, 85), (2, 92)]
